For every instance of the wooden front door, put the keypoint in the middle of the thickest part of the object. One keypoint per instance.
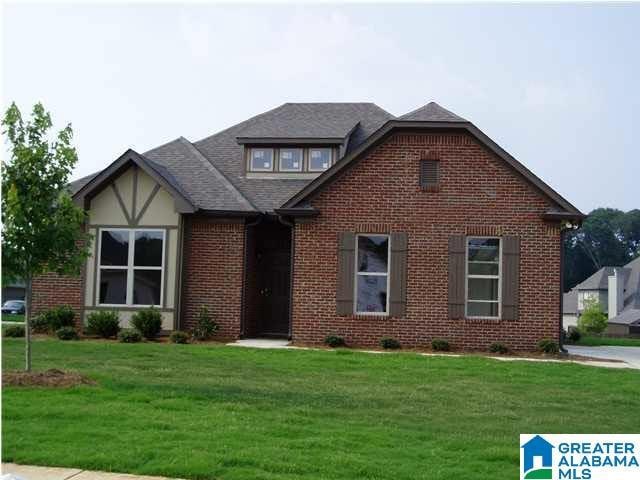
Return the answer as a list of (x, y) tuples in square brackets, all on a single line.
[(274, 292)]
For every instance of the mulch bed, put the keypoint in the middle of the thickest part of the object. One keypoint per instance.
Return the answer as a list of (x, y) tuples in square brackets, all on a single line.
[(50, 378)]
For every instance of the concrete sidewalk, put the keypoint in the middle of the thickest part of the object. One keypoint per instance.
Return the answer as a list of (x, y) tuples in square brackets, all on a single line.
[(30, 472)]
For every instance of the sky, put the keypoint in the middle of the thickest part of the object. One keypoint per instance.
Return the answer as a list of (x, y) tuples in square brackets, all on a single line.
[(555, 85)]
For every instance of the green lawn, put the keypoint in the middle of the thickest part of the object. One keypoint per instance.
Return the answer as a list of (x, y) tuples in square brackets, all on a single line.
[(205, 411), (622, 342), (12, 318)]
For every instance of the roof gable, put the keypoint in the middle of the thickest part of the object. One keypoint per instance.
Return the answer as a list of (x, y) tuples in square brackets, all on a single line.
[(432, 112)]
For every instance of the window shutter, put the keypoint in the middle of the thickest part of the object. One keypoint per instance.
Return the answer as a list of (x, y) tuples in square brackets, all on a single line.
[(510, 277), (429, 173), (398, 272), (457, 269), (346, 272)]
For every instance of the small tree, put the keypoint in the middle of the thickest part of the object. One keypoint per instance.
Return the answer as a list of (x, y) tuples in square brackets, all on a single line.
[(42, 229), (593, 318)]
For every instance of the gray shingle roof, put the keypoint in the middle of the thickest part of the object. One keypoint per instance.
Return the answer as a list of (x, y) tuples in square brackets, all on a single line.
[(432, 112), (597, 281)]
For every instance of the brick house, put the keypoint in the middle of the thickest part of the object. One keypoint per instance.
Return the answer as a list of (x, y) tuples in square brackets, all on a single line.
[(328, 218)]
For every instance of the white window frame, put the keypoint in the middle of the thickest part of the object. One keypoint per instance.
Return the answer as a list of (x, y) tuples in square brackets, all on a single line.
[(320, 169), (273, 160), (467, 276), (129, 268), (299, 150), (378, 274)]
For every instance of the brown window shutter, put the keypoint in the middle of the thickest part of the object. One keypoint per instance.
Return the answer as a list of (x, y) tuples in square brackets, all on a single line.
[(429, 173), (398, 273), (510, 277), (457, 270), (346, 272)]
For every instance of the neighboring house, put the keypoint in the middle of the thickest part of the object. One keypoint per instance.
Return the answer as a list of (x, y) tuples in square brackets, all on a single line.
[(328, 218), (13, 291), (617, 289)]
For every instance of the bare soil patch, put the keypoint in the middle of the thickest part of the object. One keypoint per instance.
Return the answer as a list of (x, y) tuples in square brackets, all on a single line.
[(50, 378)]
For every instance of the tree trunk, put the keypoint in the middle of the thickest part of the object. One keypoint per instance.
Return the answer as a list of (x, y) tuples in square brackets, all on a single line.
[(27, 325)]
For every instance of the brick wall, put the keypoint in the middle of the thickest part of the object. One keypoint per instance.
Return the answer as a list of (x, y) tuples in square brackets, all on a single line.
[(479, 194), (50, 290), (213, 271)]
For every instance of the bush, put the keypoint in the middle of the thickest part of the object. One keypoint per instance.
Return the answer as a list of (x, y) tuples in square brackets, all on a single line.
[(58, 317), (574, 335), (206, 326), (14, 331), (67, 333), (389, 343), (547, 345), (440, 345), (40, 324), (498, 347), (593, 319), (129, 335), (105, 324), (148, 322), (334, 341), (179, 337)]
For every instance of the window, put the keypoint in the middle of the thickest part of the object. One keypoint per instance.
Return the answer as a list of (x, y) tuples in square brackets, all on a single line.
[(261, 159), (372, 274), (290, 159), (131, 267), (319, 159), (483, 277)]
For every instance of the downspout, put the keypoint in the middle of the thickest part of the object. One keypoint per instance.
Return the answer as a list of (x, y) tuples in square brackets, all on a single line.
[(243, 290), (287, 223), (563, 350)]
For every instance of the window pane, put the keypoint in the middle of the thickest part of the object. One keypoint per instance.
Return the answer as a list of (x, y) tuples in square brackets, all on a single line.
[(261, 159), (319, 158), (484, 249), (483, 289), (114, 247), (482, 309), (373, 251), (148, 250), (372, 293), (483, 268), (146, 287), (113, 286), (291, 159)]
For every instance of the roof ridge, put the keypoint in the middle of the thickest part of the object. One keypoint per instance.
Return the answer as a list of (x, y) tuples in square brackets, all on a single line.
[(229, 185)]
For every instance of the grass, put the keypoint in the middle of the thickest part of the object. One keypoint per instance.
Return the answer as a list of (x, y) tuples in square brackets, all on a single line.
[(207, 411), (7, 317), (613, 341)]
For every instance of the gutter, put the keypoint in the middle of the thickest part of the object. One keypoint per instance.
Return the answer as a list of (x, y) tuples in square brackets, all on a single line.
[(563, 350)]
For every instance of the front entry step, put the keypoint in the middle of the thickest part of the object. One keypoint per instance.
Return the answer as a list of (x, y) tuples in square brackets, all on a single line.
[(261, 343)]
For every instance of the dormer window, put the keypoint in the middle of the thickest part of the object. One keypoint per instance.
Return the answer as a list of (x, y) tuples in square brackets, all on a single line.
[(290, 159), (319, 159), (262, 159)]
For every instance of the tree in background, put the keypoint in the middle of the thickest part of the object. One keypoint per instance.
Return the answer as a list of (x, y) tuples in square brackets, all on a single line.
[(608, 237), (42, 229), (593, 319)]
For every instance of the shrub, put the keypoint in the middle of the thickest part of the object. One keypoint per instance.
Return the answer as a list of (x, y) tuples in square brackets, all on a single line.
[(574, 334), (67, 333), (389, 343), (206, 326), (39, 324), (129, 335), (440, 345), (148, 322), (334, 341), (593, 319), (14, 331), (498, 347), (179, 337), (58, 317), (105, 324), (547, 345)]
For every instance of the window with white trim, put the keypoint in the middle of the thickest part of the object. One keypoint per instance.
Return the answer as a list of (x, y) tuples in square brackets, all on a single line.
[(319, 159), (372, 274), (290, 159), (262, 159), (131, 267), (483, 285)]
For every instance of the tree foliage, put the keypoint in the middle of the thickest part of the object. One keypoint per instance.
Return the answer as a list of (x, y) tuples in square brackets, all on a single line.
[(593, 319), (42, 229), (608, 237)]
